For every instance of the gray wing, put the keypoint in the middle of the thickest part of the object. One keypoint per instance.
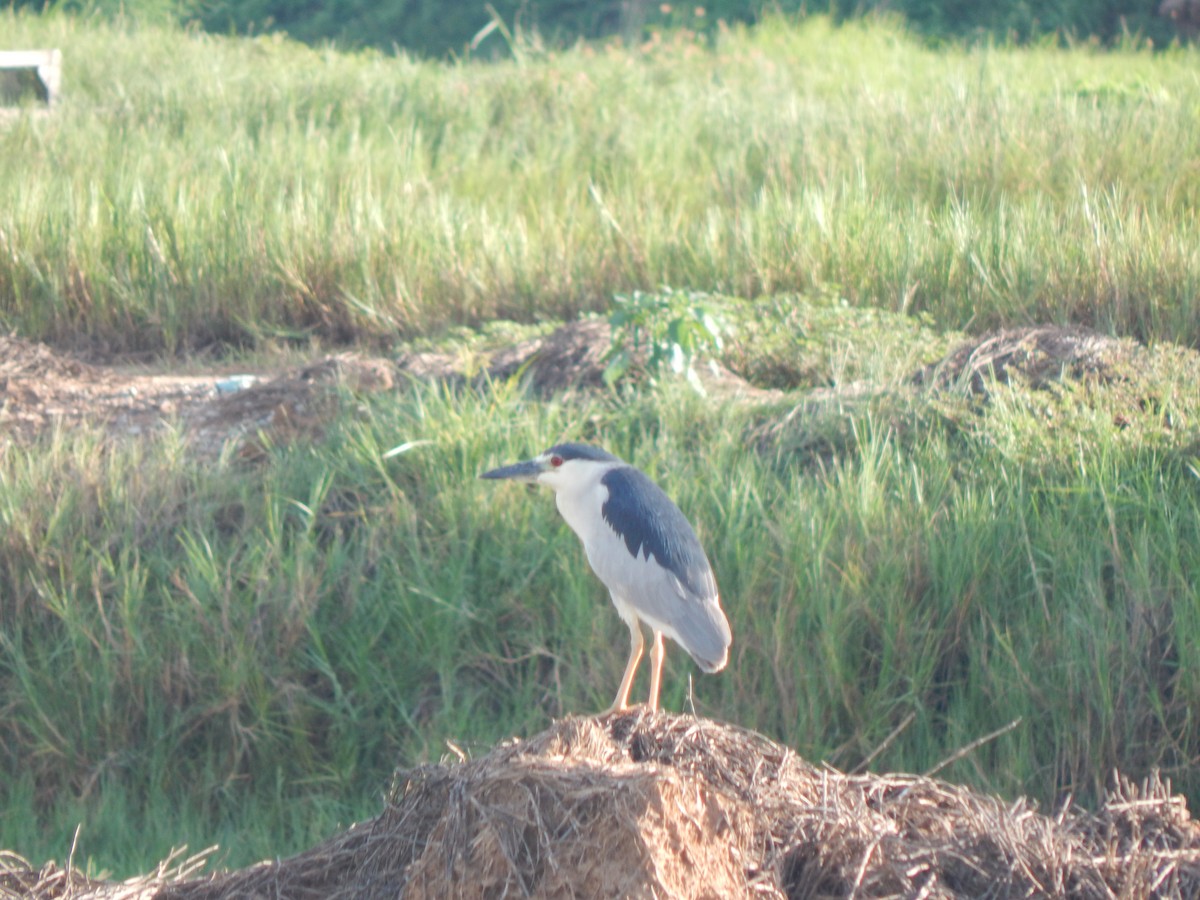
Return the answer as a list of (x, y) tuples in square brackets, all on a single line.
[(662, 570)]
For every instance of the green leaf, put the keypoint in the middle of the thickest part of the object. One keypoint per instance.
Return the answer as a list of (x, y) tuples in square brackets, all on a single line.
[(617, 368)]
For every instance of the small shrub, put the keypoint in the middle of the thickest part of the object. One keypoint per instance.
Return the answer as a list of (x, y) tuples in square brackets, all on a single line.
[(671, 328)]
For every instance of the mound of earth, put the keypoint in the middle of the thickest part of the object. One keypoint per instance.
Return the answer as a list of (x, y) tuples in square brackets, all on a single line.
[(639, 804), (570, 358), (1039, 354)]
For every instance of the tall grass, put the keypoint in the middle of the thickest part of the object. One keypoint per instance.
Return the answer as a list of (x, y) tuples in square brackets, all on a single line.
[(195, 189), (244, 658)]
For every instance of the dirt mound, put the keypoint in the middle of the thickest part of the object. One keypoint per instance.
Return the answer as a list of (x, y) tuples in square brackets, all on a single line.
[(657, 805), (1040, 354), (41, 389), (25, 359), (1045, 355), (1076, 375), (296, 403), (570, 358)]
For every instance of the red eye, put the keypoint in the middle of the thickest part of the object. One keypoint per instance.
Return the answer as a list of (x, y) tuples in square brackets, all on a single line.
[(556, 461)]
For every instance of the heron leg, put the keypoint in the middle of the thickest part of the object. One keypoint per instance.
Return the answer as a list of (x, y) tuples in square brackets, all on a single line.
[(637, 644), (657, 654)]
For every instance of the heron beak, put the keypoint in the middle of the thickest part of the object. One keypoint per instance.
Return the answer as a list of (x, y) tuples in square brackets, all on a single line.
[(522, 471)]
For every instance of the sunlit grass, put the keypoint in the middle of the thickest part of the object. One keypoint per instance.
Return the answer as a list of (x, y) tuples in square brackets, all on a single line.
[(195, 190)]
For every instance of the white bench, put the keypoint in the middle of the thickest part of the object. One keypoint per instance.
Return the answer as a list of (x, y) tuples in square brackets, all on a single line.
[(24, 70)]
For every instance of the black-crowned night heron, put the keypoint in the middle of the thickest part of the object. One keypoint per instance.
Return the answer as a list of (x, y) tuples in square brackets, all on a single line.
[(643, 549)]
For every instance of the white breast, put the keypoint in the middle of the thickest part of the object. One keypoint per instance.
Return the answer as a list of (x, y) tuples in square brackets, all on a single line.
[(580, 506)]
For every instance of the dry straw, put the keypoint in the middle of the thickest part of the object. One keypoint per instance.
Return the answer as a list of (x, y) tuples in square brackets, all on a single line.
[(658, 805)]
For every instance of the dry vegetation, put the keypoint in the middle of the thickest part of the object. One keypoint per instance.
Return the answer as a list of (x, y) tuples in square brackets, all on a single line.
[(639, 804)]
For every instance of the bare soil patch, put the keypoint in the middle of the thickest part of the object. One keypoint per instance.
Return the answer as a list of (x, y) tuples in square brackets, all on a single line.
[(642, 804), (42, 389)]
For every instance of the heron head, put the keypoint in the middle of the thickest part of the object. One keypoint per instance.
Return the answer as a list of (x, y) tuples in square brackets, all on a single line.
[(558, 467)]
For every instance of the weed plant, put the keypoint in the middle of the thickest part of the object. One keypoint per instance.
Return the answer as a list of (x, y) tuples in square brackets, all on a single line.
[(195, 190)]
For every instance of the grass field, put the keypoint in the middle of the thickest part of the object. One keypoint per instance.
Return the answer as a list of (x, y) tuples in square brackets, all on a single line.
[(210, 652), (197, 189)]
